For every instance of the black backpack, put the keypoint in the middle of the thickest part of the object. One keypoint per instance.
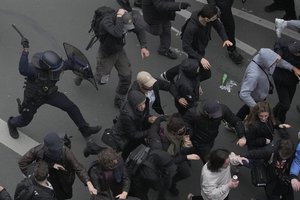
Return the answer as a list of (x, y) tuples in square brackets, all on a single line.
[(99, 14), (25, 190), (137, 158)]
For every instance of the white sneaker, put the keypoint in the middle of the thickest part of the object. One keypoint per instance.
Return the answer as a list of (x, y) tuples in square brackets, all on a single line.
[(280, 25)]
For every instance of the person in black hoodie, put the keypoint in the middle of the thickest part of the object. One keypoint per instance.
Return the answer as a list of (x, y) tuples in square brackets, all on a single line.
[(150, 86), (188, 84), (113, 29), (285, 80), (156, 174), (158, 15), (204, 120)]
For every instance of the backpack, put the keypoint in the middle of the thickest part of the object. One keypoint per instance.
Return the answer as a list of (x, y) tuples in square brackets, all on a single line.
[(25, 190), (137, 158), (99, 14)]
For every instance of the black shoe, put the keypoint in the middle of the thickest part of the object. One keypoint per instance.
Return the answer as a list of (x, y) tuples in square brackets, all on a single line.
[(298, 108), (235, 57), (87, 131), (174, 190), (168, 53), (272, 7), (92, 148), (12, 130)]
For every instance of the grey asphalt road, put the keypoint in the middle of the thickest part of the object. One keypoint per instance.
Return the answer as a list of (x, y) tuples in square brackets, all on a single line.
[(47, 24)]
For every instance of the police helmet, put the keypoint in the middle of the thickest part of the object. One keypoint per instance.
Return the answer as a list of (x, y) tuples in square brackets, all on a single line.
[(47, 60)]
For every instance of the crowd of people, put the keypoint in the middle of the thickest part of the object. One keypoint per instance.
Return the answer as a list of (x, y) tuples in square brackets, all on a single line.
[(173, 141)]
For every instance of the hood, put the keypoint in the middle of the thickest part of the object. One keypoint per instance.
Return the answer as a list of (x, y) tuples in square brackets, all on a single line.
[(189, 67), (266, 58), (135, 98)]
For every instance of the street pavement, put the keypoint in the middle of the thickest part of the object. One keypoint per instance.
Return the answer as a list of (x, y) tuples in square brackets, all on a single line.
[(47, 24)]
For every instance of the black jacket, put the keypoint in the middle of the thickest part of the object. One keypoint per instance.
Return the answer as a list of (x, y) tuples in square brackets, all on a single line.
[(158, 85), (119, 181), (4, 195), (257, 133), (187, 84), (204, 130), (157, 11), (195, 37), (283, 76), (113, 36)]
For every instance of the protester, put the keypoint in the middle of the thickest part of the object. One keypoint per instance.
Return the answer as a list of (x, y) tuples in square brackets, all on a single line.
[(281, 24), (62, 166), (227, 19), (204, 120), (216, 181), (109, 176), (4, 195), (114, 28), (295, 170), (158, 16)]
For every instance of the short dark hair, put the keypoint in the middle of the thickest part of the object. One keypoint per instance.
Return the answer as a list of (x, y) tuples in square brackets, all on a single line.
[(175, 122), (41, 171), (286, 149), (208, 11), (217, 159)]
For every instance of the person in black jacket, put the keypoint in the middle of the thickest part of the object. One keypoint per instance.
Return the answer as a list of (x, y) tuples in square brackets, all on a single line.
[(188, 84), (204, 120), (156, 174), (42, 188), (172, 137), (109, 175), (158, 15), (4, 195), (285, 81), (278, 157), (150, 86), (227, 19), (113, 30)]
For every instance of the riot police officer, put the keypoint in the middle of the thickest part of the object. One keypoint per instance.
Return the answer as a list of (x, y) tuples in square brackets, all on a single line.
[(42, 74)]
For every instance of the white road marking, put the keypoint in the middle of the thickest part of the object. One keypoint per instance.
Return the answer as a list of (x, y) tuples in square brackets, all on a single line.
[(20, 145)]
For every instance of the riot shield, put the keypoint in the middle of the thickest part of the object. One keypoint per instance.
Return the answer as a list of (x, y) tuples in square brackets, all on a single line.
[(80, 60)]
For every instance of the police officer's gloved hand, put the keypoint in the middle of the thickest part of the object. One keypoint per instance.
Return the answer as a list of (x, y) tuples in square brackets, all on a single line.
[(25, 43), (184, 5)]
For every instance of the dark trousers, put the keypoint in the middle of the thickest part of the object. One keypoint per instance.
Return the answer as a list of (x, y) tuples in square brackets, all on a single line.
[(183, 172), (289, 8), (163, 30), (202, 150), (227, 19), (56, 99), (285, 96)]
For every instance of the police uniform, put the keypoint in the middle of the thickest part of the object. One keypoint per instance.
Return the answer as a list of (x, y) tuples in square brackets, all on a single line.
[(42, 75)]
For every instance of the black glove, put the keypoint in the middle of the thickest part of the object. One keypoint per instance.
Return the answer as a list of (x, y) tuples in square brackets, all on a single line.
[(25, 43), (85, 72), (184, 5)]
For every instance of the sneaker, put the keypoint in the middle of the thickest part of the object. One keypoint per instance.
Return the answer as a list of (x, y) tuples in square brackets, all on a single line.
[(164, 76), (280, 25), (235, 57), (13, 132), (87, 131), (168, 53), (298, 108), (272, 7)]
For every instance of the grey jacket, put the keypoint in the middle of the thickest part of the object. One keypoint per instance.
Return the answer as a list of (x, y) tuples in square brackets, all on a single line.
[(255, 85)]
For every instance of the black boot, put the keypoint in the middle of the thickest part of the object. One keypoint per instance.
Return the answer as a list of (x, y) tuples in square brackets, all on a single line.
[(92, 148), (87, 131), (273, 7), (12, 129), (235, 56)]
